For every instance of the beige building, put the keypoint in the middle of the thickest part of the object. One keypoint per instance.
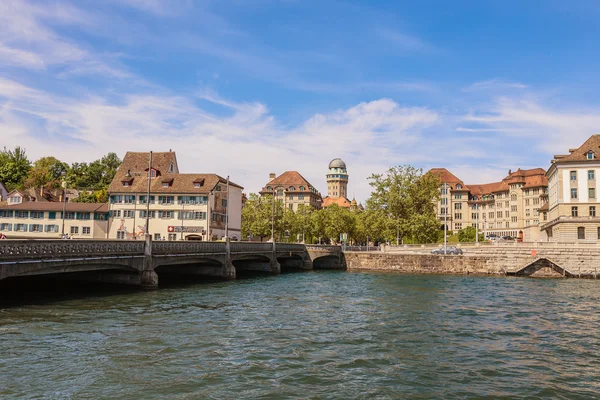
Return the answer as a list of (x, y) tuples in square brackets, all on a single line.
[(573, 182), (46, 220), (512, 207), (180, 206), (292, 189)]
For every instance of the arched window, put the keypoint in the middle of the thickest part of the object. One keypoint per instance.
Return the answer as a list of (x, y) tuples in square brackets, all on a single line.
[(292, 188), (302, 188), (581, 233), (513, 197), (269, 188), (458, 186)]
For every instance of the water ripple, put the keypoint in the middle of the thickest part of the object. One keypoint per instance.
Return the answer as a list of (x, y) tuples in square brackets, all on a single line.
[(320, 335)]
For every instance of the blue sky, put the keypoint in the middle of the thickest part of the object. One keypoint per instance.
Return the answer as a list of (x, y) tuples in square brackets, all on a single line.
[(248, 87)]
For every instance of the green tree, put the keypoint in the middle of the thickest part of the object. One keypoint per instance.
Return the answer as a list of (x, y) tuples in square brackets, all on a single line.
[(403, 204), (47, 173), (468, 234), (257, 215), (14, 167), (339, 221)]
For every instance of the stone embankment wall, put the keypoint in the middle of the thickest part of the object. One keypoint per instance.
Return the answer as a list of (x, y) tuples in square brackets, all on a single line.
[(497, 260)]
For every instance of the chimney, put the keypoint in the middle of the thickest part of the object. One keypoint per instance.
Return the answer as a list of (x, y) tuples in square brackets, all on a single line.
[(509, 171), (41, 191), (272, 175), (60, 198)]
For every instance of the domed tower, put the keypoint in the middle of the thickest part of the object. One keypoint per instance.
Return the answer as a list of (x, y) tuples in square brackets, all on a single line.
[(337, 179)]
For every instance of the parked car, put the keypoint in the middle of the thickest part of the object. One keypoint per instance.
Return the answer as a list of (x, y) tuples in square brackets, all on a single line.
[(507, 239), (449, 250)]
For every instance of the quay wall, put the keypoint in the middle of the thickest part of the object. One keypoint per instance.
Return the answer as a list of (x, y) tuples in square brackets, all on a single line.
[(584, 262)]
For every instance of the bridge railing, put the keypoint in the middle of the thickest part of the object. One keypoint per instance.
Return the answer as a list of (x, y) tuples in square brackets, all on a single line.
[(188, 247), (297, 247), (49, 249), (324, 247), (248, 247)]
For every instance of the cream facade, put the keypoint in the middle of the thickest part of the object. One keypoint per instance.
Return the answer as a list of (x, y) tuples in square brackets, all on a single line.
[(179, 207), (573, 206), (46, 220), (513, 207)]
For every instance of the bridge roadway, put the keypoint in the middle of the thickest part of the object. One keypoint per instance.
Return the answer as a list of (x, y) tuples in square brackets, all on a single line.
[(141, 262)]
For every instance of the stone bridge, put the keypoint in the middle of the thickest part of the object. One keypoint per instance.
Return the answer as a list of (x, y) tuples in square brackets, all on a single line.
[(142, 262)]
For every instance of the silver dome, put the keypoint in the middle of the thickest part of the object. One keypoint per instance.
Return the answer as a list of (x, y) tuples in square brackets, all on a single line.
[(337, 163)]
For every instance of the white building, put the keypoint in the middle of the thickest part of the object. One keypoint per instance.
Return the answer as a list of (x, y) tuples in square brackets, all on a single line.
[(180, 207)]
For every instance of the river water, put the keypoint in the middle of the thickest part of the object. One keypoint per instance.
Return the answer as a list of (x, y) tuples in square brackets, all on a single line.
[(317, 335)]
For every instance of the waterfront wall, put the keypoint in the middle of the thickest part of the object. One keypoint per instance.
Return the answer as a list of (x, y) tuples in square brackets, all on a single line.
[(556, 260)]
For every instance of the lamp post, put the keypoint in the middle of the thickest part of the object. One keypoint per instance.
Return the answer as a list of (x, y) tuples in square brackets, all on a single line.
[(182, 216), (208, 216), (227, 211), (148, 196), (477, 223), (63, 173), (445, 217), (273, 218)]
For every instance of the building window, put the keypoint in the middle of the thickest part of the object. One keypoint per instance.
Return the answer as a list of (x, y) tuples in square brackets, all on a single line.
[(35, 228), (457, 196), (151, 213), (506, 214), (36, 214), (459, 186), (22, 214), (20, 227), (592, 211), (599, 232), (499, 214), (165, 214), (458, 206), (74, 230), (116, 199), (120, 234), (69, 215), (513, 197), (143, 199), (224, 202), (526, 192), (592, 193), (6, 227), (526, 202), (458, 226), (573, 175), (300, 197), (573, 193), (157, 236), (128, 213), (166, 199), (507, 225), (172, 236), (527, 213), (86, 230), (574, 211), (514, 219), (591, 175), (590, 155), (457, 215), (83, 216), (51, 228), (116, 213), (15, 200), (129, 199), (513, 208), (581, 233)]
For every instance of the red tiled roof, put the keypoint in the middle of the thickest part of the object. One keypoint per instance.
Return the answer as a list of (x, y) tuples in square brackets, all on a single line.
[(54, 206), (286, 180), (580, 154), (340, 201), (448, 177)]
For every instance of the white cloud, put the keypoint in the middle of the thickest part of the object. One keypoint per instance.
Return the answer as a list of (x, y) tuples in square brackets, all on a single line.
[(495, 85), (406, 42)]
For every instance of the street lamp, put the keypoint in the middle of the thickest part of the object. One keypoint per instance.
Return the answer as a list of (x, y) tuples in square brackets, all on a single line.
[(273, 218), (62, 174)]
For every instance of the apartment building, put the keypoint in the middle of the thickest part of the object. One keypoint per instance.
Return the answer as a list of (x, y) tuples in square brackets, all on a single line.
[(512, 207), (292, 189), (49, 220), (573, 182), (179, 207)]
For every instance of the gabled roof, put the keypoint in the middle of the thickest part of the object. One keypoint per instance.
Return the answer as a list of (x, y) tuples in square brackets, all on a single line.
[(580, 153), (52, 206), (178, 183), (287, 180), (139, 162), (340, 201), (448, 178)]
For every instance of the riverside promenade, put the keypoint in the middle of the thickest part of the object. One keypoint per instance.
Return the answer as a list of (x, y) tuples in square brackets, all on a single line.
[(574, 260), (141, 262)]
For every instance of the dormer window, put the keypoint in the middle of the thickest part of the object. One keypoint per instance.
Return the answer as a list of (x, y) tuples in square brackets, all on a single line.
[(302, 188), (125, 183), (458, 186), (153, 173), (167, 182), (590, 155), (171, 168), (292, 188), (198, 183)]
